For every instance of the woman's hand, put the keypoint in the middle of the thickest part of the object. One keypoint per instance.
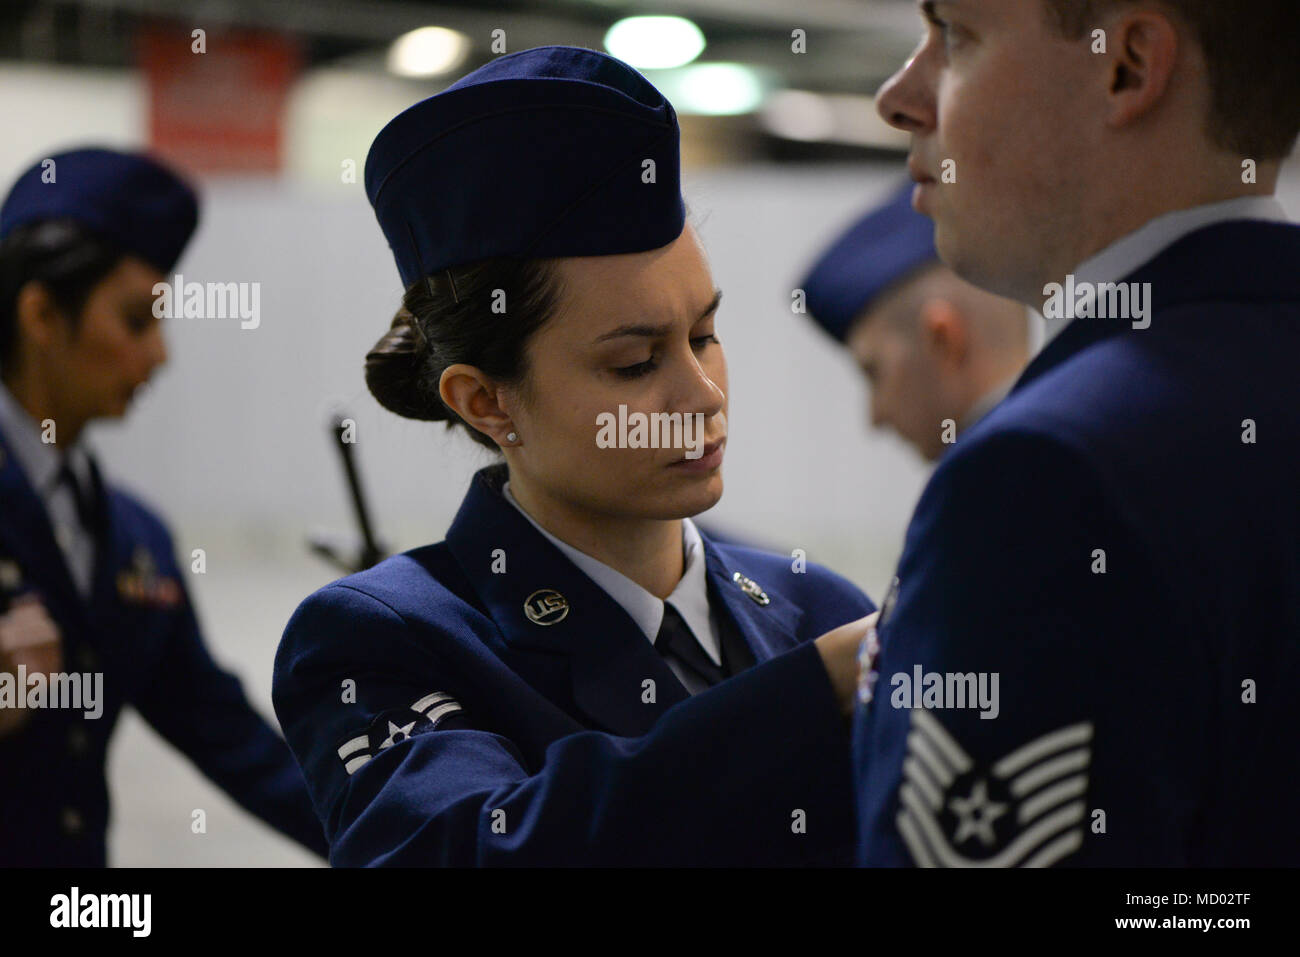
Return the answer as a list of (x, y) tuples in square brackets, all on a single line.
[(839, 651)]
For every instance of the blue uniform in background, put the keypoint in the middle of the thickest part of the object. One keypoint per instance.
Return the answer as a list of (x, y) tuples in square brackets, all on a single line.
[(1119, 542), (109, 579), (483, 701), (137, 628)]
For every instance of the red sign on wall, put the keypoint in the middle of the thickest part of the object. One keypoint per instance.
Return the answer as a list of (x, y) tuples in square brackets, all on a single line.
[(222, 109)]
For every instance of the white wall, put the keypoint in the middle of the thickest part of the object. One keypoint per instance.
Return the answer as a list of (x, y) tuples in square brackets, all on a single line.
[(230, 437)]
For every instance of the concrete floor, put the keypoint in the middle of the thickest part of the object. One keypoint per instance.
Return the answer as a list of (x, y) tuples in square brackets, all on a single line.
[(155, 789)]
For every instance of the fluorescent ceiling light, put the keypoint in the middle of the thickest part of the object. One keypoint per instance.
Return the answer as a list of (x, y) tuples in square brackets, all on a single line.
[(712, 89), (655, 43), (428, 51)]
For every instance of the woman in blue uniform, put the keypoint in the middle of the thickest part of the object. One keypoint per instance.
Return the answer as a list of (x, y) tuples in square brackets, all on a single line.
[(576, 674), (91, 596)]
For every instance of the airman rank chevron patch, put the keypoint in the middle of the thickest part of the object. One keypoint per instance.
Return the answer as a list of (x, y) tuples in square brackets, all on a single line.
[(394, 727), (1027, 810)]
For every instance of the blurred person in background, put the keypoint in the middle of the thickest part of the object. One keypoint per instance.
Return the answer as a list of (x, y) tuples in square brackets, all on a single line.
[(92, 596), (1116, 546), (938, 353)]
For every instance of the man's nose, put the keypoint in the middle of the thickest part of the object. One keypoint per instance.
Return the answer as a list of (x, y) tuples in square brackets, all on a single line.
[(906, 100), (157, 349)]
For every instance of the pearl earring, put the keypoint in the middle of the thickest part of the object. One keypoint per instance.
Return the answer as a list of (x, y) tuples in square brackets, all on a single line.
[(512, 438)]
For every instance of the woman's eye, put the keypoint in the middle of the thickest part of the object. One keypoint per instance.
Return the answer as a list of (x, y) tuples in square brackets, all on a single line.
[(634, 371), (642, 368)]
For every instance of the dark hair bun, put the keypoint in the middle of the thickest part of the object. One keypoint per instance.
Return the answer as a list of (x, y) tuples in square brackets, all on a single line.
[(458, 316), (396, 372)]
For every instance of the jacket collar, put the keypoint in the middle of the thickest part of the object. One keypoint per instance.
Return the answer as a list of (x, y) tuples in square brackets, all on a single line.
[(1237, 261), (609, 657)]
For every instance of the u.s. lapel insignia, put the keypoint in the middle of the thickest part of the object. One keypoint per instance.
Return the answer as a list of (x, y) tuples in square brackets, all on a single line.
[(11, 576), (140, 583), (751, 588), (1026, 810), (546, 606)]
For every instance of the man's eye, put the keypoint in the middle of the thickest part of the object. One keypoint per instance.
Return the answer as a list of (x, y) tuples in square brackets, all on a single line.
[(951, 35), (701, 341)]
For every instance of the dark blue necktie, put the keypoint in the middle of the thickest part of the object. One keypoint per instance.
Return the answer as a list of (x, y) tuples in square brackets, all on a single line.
[(676, 641), (86, 499)]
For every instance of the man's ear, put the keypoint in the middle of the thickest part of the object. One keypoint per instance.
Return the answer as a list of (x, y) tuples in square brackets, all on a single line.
[(943, 331), (476, 398), (1142, 49), (37, 315)]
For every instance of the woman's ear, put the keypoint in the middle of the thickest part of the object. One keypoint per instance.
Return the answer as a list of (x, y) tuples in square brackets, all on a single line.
[(476, 398)]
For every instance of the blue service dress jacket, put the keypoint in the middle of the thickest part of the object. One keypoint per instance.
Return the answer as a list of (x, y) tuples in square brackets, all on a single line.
[(1119, 542), (482, 701), (139, 630)]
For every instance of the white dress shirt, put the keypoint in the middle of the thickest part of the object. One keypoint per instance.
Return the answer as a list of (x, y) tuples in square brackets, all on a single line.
[(41, 462), (690, 597), (1139, 247)]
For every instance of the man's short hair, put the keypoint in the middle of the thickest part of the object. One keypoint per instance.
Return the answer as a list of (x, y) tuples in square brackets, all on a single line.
[(1252, 53)]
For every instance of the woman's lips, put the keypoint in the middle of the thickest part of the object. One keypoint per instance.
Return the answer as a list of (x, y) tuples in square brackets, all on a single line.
[(709, 460)]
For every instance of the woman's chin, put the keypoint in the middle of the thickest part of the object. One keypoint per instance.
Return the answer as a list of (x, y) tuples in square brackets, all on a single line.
[(707, 493)]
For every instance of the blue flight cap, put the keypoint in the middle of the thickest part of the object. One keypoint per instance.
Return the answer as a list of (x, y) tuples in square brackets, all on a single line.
[(127, 198), (886, 245), (538, 154)]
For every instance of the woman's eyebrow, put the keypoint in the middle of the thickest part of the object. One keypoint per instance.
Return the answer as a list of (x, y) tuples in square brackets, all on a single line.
[(645, 330)]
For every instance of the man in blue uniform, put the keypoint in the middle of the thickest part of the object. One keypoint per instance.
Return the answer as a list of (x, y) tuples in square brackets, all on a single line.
[(938, 352), (95, 610), (1096, 644)]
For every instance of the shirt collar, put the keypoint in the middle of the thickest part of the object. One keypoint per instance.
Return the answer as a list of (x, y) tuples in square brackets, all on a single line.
[(40, 461), (690, 597), (1139, 247)]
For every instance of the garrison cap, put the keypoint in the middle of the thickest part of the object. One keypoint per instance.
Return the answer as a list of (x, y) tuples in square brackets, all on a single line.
[(886, 245), (538, 154), (127, 198)]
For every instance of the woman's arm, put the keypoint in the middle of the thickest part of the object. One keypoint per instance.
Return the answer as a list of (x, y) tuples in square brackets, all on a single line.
[(755, 771)]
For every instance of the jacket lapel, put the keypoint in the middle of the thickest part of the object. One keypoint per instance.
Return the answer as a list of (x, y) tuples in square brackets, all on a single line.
[(542, 602), (28, 537), (770, 629), (112, 546)]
